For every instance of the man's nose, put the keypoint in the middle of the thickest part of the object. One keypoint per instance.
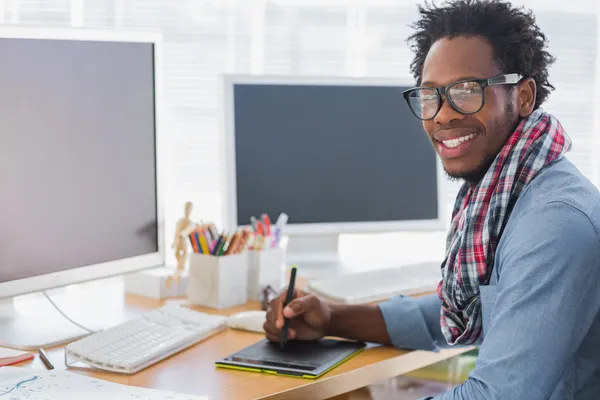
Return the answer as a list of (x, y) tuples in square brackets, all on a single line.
[(447, 114)]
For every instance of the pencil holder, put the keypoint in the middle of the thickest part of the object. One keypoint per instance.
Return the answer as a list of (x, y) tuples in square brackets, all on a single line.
[(218, 281), (265, 268)]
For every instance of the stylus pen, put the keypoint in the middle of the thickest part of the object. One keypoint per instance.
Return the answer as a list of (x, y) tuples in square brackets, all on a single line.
[(290, 296), (46, 359)]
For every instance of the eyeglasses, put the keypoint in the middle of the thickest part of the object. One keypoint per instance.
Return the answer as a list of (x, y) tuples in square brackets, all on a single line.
[(465, 96)]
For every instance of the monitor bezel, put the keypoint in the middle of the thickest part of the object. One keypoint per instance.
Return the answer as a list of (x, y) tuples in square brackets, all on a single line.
[(228, 176), (121, 266)]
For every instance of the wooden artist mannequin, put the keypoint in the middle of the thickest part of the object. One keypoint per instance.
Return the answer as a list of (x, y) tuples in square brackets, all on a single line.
[(180, 246)]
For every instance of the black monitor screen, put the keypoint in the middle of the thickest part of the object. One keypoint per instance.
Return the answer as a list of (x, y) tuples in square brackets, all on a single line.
[(331, 153)]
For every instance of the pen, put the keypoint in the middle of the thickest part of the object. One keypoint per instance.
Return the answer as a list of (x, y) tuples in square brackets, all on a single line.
[(230, 243), (46, 359), (217, 246), (209, 240), (281, 221), (233, 244), (246, 238), (258, 242), (290, 296), (253, 223), (240, 244), (224, 244), (260, 228), (279, 226), (193, 242), (267, 222), (198, 243), (212, 229), (203, 243)]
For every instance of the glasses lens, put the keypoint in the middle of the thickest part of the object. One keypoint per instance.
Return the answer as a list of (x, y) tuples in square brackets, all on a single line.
[(424, 102), (466, 96)]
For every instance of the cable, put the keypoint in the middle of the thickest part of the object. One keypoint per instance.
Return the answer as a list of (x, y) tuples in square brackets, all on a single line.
[(64, 315)]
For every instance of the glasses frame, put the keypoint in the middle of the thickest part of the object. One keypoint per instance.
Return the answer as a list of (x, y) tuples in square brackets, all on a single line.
[(506, 79)]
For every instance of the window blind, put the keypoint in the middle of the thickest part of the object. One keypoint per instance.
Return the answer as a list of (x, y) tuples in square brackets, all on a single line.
[(205, 38)]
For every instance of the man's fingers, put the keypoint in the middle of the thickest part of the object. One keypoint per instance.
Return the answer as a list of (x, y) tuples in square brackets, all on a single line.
[(299, 306), (291, 333), (279, 321), (274, 335), (295, 308), (276, 312), (272, 338), (270, 317), (278, 303), (269, 325), (270, 329), (283, 295)]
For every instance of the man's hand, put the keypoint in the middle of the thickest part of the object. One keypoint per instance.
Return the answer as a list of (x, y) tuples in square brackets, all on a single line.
[(309, 317)]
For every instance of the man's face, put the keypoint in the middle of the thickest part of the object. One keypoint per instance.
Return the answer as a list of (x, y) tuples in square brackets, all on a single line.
[(448, 61)]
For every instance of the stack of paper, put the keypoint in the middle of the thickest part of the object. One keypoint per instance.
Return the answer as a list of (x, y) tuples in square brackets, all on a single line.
[(24, 383)]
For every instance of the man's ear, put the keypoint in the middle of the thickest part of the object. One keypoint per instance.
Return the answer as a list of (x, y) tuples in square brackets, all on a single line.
[(526, 95)]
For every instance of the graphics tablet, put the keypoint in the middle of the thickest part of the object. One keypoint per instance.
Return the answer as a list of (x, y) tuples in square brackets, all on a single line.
[(305, 359)]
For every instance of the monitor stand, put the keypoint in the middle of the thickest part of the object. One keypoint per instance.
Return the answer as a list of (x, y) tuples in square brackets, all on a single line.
[(314, 254), (20, 329), (313, 247), (30, 322)]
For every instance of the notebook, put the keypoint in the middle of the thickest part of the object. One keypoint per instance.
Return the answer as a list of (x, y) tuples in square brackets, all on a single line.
[(30, 384), (11, 356)]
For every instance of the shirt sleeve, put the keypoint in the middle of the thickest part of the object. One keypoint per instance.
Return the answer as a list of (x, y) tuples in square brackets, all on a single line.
[(547, 299), (414, 323)]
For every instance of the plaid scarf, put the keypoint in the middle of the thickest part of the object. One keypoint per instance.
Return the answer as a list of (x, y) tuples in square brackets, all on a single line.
[(479, 216)]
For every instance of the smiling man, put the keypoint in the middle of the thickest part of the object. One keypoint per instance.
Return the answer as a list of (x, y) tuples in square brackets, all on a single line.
[(522, 266), (453, 70)]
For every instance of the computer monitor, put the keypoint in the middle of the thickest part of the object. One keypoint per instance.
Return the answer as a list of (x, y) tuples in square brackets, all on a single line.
[(80, 170), (338, 155)]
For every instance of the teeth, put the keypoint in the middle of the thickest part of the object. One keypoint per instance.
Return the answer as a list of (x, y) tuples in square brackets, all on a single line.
[(455, 142)]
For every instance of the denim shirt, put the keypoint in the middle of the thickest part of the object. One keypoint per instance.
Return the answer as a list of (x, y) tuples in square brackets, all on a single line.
[(541, 308)]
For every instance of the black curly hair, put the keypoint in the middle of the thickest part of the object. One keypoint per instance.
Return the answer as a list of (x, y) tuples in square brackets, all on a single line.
[(519, 45)]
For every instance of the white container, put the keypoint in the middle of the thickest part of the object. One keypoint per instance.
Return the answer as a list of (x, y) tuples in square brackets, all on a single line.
[(218, 281), (265, 268)]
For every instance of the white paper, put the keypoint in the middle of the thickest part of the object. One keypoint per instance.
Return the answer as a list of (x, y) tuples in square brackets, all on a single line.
[(28, 384), (10, 353)]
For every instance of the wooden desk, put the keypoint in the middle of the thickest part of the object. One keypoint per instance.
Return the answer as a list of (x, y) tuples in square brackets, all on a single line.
[(193, 370)]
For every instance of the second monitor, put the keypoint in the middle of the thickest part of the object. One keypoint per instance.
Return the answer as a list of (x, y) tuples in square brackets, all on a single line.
[(336, 155)]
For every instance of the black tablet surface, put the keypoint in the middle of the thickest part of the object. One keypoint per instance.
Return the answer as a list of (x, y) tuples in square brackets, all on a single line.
[(306, 359)]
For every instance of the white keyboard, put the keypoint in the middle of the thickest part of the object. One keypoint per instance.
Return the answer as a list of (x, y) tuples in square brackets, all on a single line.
[(145, 340), (377, 285)]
